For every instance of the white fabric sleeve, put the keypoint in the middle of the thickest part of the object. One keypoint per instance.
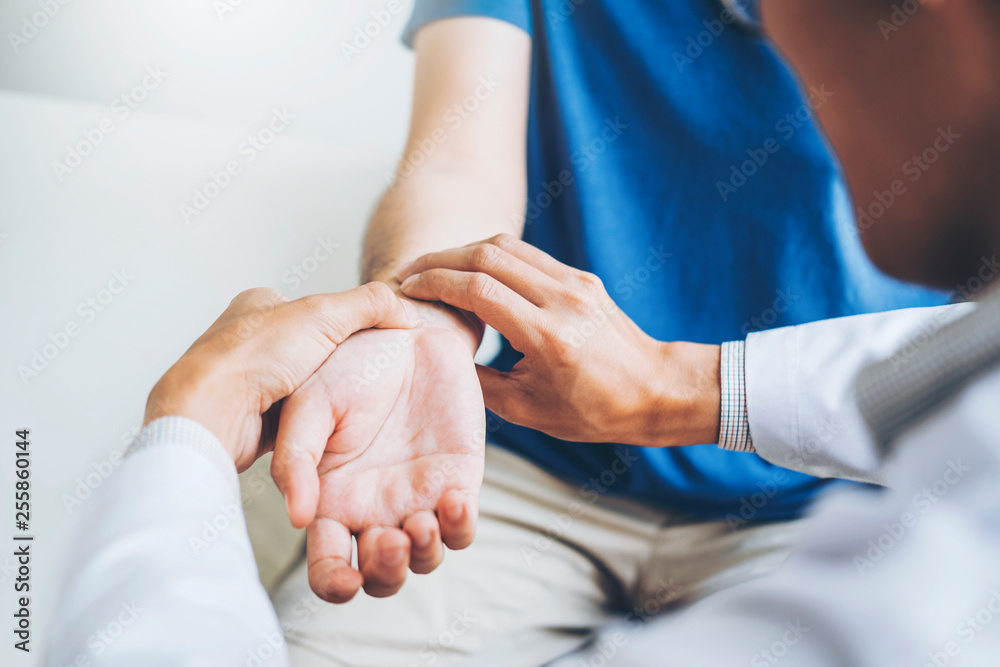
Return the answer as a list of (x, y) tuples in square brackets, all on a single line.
[(904, 576), (800, 387), (161, 571)]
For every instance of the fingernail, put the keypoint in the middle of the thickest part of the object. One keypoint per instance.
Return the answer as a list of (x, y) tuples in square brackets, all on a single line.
[(401, 271), (409, 282), (410, 310), (394, 556), (288, 507)]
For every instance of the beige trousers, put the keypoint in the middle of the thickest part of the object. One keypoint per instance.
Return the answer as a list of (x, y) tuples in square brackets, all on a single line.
[(549, 567)]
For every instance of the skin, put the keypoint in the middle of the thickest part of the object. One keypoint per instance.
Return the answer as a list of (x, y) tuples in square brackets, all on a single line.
[(232, 379), (938, 231), (892, 94), (472, 187), (470, 183), (589, 374)]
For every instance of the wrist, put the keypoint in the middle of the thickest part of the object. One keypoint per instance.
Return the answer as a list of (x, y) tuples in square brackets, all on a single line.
[(684, 396), (199, 392), (435, 314)]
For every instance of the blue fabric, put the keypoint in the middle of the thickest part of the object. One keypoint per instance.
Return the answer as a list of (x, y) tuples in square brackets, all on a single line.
[(645, 108)]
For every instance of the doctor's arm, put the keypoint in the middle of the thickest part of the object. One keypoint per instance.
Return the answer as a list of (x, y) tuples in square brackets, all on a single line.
[(162, 572), (589, 374)]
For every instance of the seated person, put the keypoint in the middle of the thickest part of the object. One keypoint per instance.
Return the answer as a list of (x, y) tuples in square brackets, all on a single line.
[(929, 408)]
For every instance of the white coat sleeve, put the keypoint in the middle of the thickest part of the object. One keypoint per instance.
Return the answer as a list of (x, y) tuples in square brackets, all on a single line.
[(800, 387), (161, 571)]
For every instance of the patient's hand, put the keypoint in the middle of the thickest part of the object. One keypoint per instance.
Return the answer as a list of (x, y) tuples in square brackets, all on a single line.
[(396, 423)]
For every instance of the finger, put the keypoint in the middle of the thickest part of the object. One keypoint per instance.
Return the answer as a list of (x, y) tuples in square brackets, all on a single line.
[(328, 555), (426, 552), (458, 512), (303, 430), (520, 276), (337, 316), (494, 303), (383, 556), (529, 254)]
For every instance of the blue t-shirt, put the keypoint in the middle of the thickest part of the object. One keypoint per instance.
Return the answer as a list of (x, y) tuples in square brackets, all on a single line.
[(674, 156)]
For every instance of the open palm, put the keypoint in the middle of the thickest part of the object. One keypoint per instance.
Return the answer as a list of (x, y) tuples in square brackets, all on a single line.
[(384, 442)]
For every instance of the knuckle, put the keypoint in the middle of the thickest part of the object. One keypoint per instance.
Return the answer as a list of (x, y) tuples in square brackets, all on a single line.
[(380, 293), (486, 256), (505, 241), (589, 281), (580, 303), (482, 288)]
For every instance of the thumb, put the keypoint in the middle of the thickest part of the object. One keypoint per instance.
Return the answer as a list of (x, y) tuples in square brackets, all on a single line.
[(302, 436), (373, 305)]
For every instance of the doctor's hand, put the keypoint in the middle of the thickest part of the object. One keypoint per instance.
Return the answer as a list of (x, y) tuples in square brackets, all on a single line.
[(233, 378), (589, 374)]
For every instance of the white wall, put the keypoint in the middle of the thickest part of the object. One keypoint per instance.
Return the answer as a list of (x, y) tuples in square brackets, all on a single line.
[(62, 236), (227, 60)]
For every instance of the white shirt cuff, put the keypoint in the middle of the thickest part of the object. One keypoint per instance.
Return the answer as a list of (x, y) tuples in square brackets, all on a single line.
[(184, 432)]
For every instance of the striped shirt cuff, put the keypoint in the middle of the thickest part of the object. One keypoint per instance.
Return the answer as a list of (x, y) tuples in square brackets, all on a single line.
[(734, 425), (183, 432)]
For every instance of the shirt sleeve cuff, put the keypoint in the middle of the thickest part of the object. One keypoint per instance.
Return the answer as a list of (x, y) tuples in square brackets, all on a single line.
[(183, 432), (515, 12), (734, 423)]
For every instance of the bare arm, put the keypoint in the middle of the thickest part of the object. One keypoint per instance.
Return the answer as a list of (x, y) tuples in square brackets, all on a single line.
[(462, 175)]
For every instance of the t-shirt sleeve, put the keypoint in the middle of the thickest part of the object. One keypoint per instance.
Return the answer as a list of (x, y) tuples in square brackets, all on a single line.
[(516, 12)]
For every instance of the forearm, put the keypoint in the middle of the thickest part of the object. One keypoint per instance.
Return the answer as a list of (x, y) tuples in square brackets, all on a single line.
[(435, 208), (462, 175), (162, 550)]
